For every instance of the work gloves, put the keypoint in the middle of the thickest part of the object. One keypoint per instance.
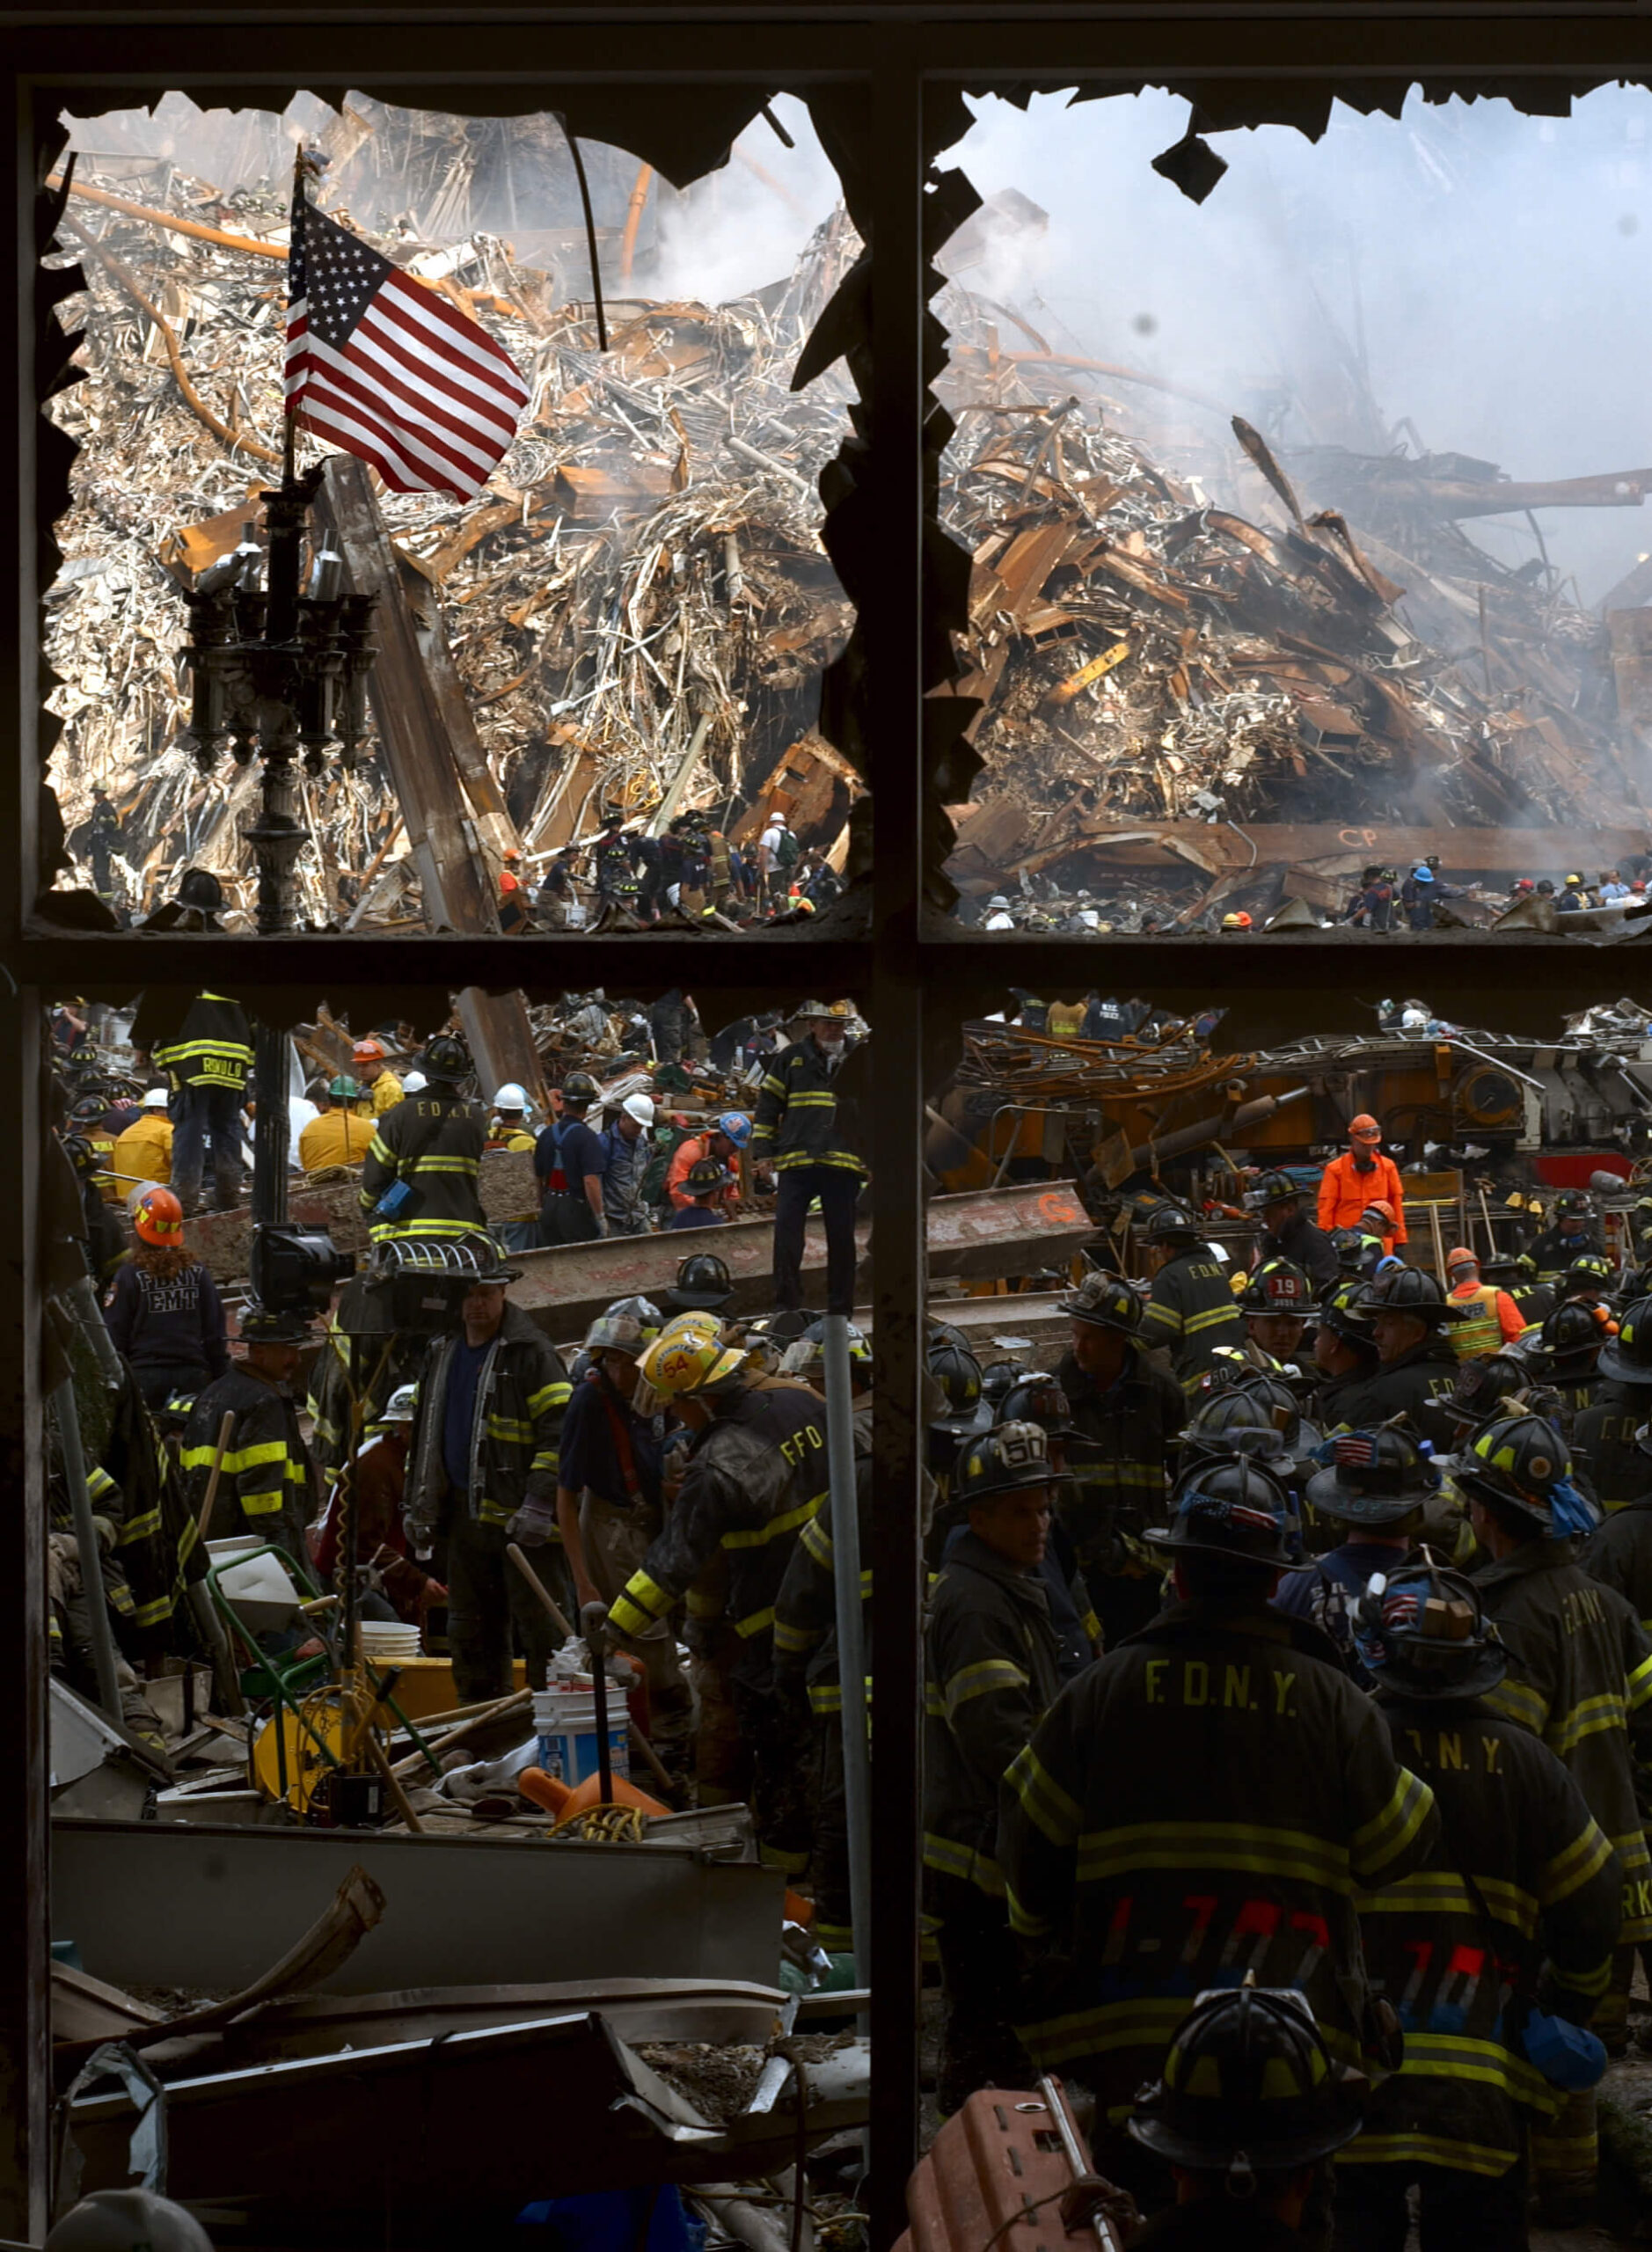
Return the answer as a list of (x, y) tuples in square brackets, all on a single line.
[(534, 1524)]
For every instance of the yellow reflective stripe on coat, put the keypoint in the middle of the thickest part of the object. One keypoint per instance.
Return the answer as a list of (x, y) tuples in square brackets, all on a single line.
[(1518, 1702), (755, 1622), (980, 1680), (1387, 1835), (138, 1528), (1058, 1816), (246, 1457), (1254, 1848), (1639, 1687), (948, 1858), (759, 1536), (795, 1642), (1401, 2149), (641, 1602), (1585, 1857), (1213, 1317), (263, 1504), (1441, 1892), (1588, 1717), (555, 1394)]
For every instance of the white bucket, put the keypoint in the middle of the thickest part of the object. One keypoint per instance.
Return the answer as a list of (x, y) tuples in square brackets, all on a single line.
[(565, 1722), (389, 1641)]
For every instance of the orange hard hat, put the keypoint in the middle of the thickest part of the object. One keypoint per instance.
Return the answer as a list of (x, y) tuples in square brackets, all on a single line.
[(158, 1218), (1383, 1209), (511, 853), (1460, 1256), (368, 1051), (1364, 1128)]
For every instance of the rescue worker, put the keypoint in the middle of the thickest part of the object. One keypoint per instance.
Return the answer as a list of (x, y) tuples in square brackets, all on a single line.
[(1619, 1554), (1190, 1305), (208, 1061), (335, 1136), (1360, 1175), (1248, 2108), (1275, 1302), (1373, 1490), (1581, 1680), (1344, 1352), (104, 836), (797, 1136), (164, 1315), (268, 1484), (723, 1140), (1494, 1957), (1566, 1355), (627, 1158), (1376, 1223), (992, 1664), (378, 1088), (511, 904), (1605, 1434), (1493, 1319), (669, 1024), (1573, 895), (612, 864), (1410, 1323), (1170, 1823), (104, 1240), (806, 1650), (483, 1473), (756, 1474), (1127, 1417), (405, 1587), (703, 1284), (510, 1128), (1288, 1233), (610, 1511), (418, 1179), (143, 1150), (1571, 1232), (568, 1160), (707, 1186)]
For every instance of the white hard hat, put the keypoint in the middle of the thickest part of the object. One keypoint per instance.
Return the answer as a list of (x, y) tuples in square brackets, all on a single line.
[(414, 1082), (128, 2221), (510, 1097), (640, 1107), (402, 1405), (156, 1098)]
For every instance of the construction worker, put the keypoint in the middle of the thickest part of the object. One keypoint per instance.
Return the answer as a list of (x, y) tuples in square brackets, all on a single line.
[(1572, 1231), (798, 1135), (1248, 2108), (1170, 1823), (143, 1150), (609, 1507), (407, 1588), (1190, 1305), (163, 1314), (806, 1650), (336, 1135), (568, 1160), (755, 1475), (724, 1139), (1410, 1323), (1605, 1434), (483, 1473), (1573, 895), (1351, 1181), (1523, 1876), (1493, 1319), (1565, 1356), (420, 1175), (379, 1089), (510, 1128), (266, 1487), (1581, 1680), (207, 1060), (1275, 1300), (1127, 1416), (992, 1663), (627, 1155), (511, 903), (1373, 1491), (1288, 1233)]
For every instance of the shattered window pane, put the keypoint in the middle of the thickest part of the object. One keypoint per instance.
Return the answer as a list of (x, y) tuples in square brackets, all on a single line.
[(631, 618), (1300, 481)]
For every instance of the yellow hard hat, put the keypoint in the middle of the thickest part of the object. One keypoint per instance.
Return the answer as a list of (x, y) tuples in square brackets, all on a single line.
[(689, 1357)]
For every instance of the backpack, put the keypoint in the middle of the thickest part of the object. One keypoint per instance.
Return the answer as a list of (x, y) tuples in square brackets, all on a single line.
[(668, 1140), (788, 850)]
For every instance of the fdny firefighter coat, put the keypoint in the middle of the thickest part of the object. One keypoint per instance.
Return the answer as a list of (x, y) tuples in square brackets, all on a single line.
[(521, 1391), (1200, 1803), (266, 1488), (1191, 1309), (797, 1120), (806, 1608), (435, 1142)]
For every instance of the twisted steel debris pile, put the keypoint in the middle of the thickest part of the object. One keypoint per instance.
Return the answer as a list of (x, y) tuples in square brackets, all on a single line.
[(639, 599)]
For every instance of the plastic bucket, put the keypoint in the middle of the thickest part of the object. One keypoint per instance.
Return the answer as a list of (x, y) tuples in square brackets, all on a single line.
[(565, 1722)]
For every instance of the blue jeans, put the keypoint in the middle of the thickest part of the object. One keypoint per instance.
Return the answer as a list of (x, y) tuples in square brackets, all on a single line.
[(207, 1114)]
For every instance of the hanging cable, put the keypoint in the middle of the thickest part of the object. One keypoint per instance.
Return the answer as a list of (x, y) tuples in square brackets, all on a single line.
[(590, 232)]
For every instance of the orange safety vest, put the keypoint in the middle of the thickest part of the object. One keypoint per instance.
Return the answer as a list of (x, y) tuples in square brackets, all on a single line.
[(1482, 1334)]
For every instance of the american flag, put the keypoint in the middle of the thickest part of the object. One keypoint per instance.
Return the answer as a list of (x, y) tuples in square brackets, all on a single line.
[(1358, 1450), (389, 369)]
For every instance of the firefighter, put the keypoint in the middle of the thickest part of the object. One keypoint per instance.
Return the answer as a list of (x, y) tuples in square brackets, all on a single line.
[(1605, 1434), (805, 1654), (707, 1185), (510, 1128), (991, 1663), (104, 1240), (1571, 1232), (1619, 1554), (613, 861), (1566, 1355), (143, 1150), (1493, 1319), (797, 1135), (420, 1175), (568, 1160), (335, 1136), (1494, 1957), (1275, 1302), (1350, 1182), (1170, 1823), (1288, 1233), (1374, 1490), (703, 1284), (1249, 2107), (268, 1485), (609, 1506), (104, 837), (1190, 1305), (1410, 1322), (1344, 1353), (378, 1089), (206, 1062), (723, 1140), (1127, 1416), (1581, 1680), (164, 1313), (483, 1472), (755, 1475)]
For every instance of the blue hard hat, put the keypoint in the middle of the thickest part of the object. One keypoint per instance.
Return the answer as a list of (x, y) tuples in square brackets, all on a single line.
[(1423, 873), (736, 1127)]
